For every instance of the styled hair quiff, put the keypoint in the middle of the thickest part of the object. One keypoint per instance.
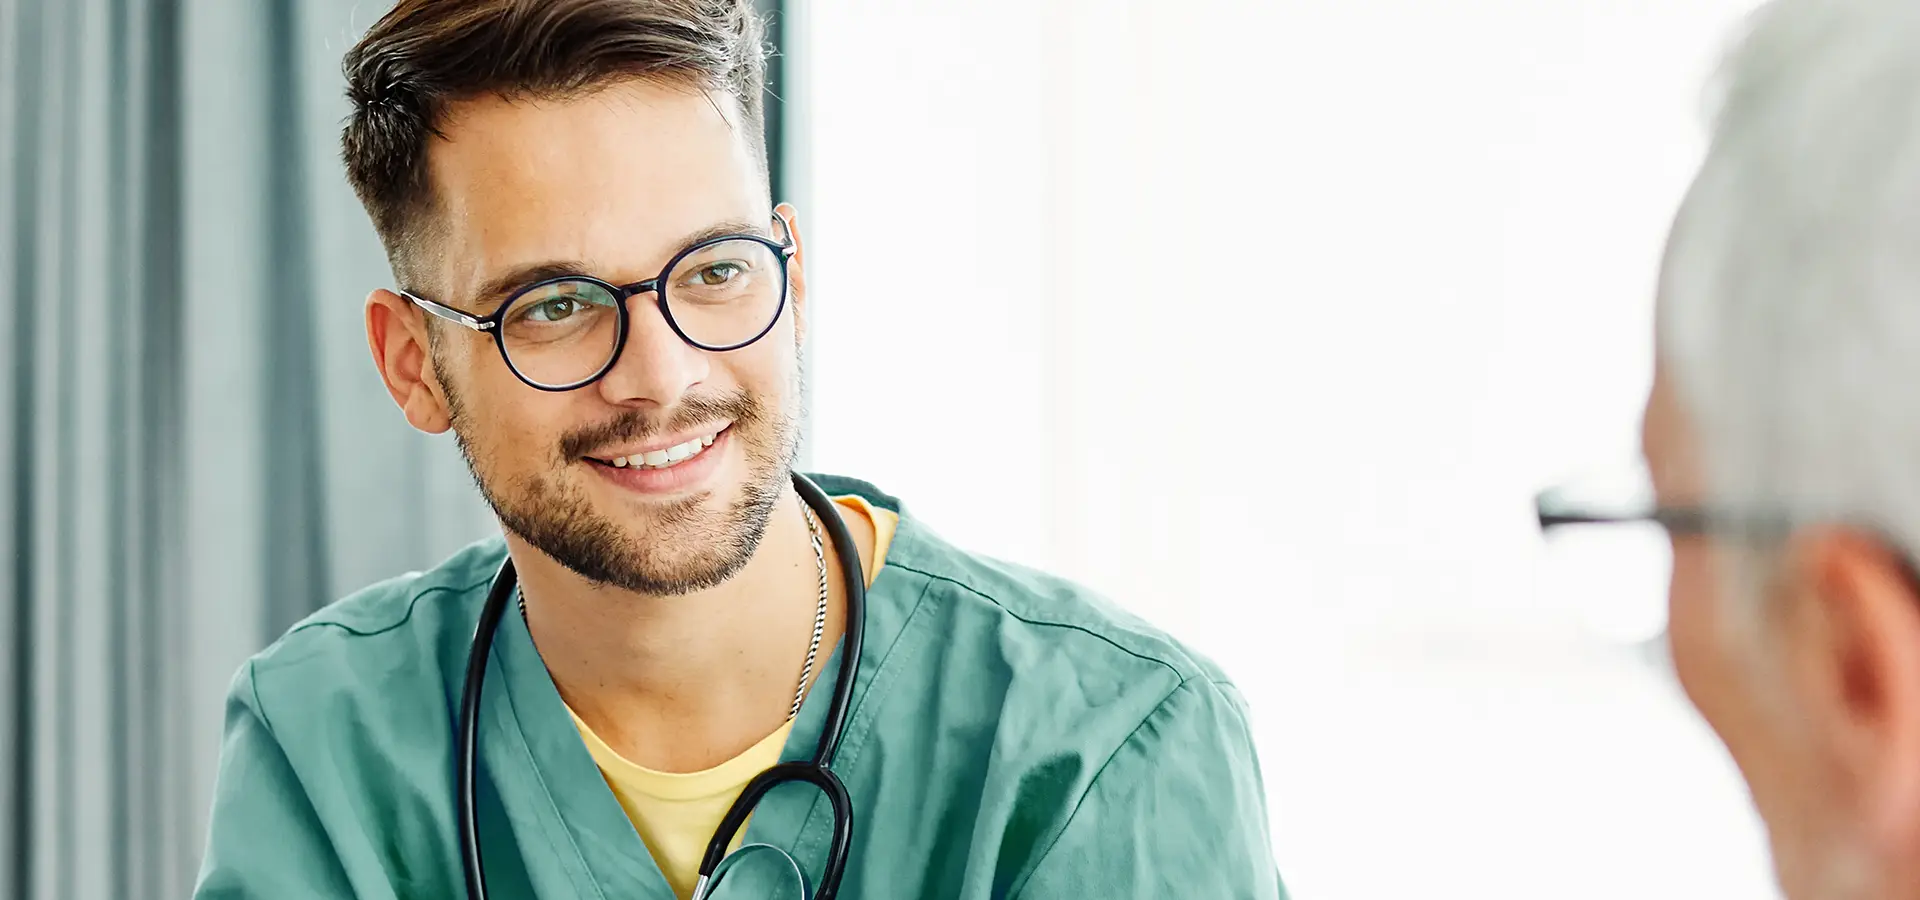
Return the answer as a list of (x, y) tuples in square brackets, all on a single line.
[(425, 55)]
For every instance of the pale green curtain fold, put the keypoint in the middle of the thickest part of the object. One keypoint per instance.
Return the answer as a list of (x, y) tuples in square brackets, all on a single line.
[(196, 452)]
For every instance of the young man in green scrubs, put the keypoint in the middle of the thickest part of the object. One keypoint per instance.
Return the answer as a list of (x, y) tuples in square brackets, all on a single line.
[(526, 163)]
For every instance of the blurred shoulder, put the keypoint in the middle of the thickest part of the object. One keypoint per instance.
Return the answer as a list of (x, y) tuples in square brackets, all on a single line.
[(1027, 609), (385, 635), (1067, 615)]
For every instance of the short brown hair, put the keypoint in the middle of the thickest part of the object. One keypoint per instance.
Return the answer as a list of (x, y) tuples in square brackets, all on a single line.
[(426, 54)]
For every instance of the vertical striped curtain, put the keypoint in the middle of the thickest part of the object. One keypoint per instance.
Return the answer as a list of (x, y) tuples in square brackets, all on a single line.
[(195, 450)]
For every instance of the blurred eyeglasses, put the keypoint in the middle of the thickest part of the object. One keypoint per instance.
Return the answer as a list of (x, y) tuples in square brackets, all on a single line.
[(1613, 577), (1610, 547), (1639, 530), (1622, 498), (722, 293)]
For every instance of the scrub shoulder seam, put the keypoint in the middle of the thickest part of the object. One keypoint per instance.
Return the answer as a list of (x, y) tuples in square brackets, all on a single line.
[(1094, 782), (1184, 676), (259, 708), (1241, 707), (412, 602)]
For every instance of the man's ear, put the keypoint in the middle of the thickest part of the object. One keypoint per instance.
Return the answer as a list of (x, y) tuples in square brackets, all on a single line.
[(796, 270), (397, 335), (1858, 662)]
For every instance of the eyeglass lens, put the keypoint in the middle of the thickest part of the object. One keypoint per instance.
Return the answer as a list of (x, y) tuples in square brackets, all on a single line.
[(720, 295)]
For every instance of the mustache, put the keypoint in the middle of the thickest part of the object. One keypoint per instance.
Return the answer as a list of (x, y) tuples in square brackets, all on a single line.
[(639, 424)]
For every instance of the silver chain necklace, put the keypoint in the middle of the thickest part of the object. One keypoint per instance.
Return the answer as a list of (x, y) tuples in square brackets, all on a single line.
[(819, 611)]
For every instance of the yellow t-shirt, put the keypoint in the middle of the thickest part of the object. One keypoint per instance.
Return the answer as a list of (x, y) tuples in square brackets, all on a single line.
[(676, 813)]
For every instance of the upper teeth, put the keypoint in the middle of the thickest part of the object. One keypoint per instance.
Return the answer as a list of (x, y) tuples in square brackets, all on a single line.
[(667, 457)]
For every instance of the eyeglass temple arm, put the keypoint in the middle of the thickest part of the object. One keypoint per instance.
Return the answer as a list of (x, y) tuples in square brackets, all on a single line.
[(788, 246), (1554, 519), (449, 313), (1678, 520)]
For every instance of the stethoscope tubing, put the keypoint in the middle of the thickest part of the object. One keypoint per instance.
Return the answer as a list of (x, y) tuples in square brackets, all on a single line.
[(817, 771)]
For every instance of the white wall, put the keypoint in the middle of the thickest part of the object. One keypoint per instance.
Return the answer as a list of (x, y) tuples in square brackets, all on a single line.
[(1267, 318)]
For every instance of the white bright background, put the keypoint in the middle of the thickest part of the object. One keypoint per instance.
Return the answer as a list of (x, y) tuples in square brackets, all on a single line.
[(1267, 319)]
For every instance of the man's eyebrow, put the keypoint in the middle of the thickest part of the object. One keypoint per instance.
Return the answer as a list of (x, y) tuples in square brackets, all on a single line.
[(499, 286), (496, 289), (722, 229)]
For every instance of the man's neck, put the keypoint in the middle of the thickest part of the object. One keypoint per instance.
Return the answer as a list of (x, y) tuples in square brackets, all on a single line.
[(683, 683)]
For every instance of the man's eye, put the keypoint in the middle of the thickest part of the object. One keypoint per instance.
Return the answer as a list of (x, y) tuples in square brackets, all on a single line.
[(715, 274), (553, 309)]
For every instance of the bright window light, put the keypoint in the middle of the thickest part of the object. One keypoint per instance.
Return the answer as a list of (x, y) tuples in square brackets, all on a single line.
[(1268, 320)]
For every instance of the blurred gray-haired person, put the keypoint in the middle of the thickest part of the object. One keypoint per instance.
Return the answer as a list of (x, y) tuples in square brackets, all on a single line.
[(1782, 437)]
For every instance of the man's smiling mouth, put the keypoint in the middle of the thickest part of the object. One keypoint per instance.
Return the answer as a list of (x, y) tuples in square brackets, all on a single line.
[(662, 458)]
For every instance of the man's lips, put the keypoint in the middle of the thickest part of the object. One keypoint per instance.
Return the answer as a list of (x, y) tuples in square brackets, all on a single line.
[(671, 477), (660, 453)]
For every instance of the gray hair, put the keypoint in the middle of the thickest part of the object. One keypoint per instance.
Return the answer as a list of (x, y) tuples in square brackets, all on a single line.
[(1790, 310)]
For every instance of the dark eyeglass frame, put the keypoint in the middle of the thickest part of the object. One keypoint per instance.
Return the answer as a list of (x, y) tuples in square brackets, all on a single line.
[(492, 323), (1690, 521), (1677, 520)]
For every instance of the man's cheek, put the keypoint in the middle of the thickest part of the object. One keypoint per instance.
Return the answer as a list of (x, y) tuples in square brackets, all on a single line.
[(1693, 628)]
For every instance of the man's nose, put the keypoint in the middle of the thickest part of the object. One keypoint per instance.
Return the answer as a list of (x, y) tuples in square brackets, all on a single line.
[(655, 366)]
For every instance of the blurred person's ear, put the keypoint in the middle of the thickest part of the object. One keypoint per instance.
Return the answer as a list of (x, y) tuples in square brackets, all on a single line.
[(1855, 631), (397, 335)]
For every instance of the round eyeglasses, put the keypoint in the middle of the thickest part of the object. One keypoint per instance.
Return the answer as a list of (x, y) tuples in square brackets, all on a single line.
[(558, 334)]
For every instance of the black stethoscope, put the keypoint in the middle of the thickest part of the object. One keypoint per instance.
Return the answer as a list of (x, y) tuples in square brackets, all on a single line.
[(817, 771)]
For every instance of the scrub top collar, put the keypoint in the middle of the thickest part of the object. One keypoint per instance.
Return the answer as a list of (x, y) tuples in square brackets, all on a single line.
[(569, 826)]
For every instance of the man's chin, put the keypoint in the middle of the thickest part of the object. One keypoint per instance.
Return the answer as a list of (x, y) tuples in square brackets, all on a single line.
[(653, 542), (643, 519), (654, 546), (657, 563)]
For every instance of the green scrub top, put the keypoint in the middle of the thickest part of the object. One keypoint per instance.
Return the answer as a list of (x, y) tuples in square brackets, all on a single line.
[(1011, 736)]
